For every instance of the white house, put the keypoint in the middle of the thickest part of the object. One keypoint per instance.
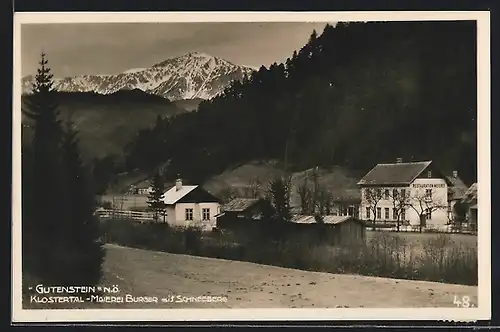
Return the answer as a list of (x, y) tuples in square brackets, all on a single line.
[(191, 206), (414, 192)]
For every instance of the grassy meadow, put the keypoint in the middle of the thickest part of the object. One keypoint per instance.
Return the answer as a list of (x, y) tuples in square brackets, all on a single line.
[(446, 258)]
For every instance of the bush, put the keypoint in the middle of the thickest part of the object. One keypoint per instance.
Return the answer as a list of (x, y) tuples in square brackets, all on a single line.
[(193, 240), (385, 255), (105, 204)]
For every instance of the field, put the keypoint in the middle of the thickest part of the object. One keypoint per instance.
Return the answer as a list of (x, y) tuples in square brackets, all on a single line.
[(247, 285), (418, 240)]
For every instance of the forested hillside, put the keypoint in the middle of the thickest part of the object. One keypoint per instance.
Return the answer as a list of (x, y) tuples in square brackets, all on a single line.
[(106, 123), (355, 95)]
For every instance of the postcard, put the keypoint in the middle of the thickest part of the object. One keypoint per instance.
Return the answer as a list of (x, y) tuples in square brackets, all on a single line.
[(236, 166)]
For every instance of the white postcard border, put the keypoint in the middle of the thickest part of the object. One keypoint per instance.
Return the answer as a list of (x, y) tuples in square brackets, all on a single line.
[(483, 311)]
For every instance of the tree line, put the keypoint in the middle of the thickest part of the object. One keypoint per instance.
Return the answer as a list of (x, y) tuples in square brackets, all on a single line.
[(354, 95)]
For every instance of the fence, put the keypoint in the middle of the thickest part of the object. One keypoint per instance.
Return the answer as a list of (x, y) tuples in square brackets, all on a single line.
[(416, 229), (124, 214)]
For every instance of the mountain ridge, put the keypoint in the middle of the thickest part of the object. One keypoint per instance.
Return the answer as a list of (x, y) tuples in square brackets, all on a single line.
[(106, 123), (194, 75)]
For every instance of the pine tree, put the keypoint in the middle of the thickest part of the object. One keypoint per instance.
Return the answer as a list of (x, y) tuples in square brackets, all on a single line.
[(84, 247), (60, 235), (280, 196), (156, 197), (45, 210)]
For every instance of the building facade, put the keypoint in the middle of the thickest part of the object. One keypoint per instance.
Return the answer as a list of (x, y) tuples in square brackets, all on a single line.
[(191, 206), (346, 202), (456, 193), (470, 199), (414, 194)]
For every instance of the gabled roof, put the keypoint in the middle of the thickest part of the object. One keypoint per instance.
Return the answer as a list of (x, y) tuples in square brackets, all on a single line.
[(458, 188), (470, 195), (173, 195), (306, 219), (397, 173), (240, 204), (347, 196)]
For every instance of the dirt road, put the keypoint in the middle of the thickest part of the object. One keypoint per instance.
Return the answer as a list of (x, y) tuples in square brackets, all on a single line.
[(143, 273)]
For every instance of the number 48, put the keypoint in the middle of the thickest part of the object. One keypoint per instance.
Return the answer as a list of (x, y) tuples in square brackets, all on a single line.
[(464, 303)]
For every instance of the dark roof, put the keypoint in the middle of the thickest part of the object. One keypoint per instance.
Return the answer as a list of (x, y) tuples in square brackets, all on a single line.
[(328, 219), (347, 196), (240, 204), (398, 173), (458, 188)]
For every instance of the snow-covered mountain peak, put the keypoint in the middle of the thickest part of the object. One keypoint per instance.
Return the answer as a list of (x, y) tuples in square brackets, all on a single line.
[(133, 70), (200, 55), (192, 75)]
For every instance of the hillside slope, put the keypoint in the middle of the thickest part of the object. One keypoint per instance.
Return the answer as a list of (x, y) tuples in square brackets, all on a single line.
[(106, 123), (188, 104), (355, 95), (246, 179)]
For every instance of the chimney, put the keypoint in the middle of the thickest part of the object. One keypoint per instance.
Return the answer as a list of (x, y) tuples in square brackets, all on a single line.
[(455, 174), (178, 184), (399, 160)]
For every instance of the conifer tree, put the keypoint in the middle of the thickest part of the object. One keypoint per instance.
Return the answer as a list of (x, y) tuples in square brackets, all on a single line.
[(280, 196), (83, 232), (156, 197), (60, 235), (45, 209)]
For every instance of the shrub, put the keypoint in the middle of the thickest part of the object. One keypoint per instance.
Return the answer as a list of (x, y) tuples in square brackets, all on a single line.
[(105, 204), (193, 240), (385, 255)]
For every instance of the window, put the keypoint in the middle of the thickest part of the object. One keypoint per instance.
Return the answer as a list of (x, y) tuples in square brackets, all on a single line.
[(428, 194), (368, 213), (403, 193), (403, 215), (394, 213), (189, 214), (379, 213), (394, 193), (343, 211), (386, 213), (429, 174), (350, 211), (379, 193), (428, 214), (206, 214), (386, 194)]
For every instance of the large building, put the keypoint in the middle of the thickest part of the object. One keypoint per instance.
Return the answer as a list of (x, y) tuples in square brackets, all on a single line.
[(415, 193)]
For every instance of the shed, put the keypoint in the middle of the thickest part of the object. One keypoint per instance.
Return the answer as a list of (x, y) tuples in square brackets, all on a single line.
[(334, 229), (241, 211)]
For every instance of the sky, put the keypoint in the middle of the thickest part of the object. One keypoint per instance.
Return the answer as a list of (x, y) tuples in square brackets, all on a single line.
[(111, 48)]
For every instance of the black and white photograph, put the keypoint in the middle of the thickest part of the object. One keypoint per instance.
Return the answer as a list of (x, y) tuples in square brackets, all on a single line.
[(238, 166)]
